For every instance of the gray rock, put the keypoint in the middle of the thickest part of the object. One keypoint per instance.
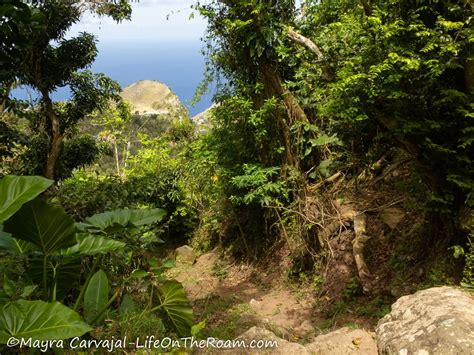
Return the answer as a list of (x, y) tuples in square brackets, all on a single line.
[(203, 120), (438, 320), (185, 255)]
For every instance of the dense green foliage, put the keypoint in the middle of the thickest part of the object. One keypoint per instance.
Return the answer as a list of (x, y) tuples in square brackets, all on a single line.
[(397, 78), (45, 60), (394, 75), (55, 254), (335, 91)]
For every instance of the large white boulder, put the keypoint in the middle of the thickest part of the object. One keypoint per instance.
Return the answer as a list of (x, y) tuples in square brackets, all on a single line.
[(438, 320)]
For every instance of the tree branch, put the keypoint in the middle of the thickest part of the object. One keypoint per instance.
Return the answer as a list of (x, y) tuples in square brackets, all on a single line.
[(304, 41)]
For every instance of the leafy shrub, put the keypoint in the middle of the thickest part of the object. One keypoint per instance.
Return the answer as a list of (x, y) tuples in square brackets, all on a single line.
[(468, 279), (55, 247), (396, 78)]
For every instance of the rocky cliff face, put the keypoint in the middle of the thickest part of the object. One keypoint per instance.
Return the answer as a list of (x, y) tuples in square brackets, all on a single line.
[(202, 120), (150, 97)]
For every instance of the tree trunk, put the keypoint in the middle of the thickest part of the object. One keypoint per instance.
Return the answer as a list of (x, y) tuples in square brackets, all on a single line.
[(274, 83), (294, 113), (469, 76), (117, 159), (127, 154), (367, 7), (56, 138), (4, 93)]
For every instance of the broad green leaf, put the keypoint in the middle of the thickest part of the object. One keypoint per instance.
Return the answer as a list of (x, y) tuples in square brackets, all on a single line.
[(324, 166), (153, 262), (123, 219), (127, 305), (8, 286), (40, 321), (84, 227), (458, 251), (28, 290), (169, 263), (17, 190), (64, 272), (46, 226), (2, 233), (15, 246), (324, 140), (96, 296), (176, 305), (139, 274), (92, 245), (197, 328)]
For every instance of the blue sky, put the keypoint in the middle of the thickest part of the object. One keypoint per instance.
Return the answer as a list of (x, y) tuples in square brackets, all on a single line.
[(152, 21), (161, 42)]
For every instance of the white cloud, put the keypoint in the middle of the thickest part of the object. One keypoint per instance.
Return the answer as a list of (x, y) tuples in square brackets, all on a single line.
[(152, 21)]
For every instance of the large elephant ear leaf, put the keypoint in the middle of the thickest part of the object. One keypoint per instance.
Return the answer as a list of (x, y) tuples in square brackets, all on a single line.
[(63, 272), (176, 305), (15, 246), (119, 219), (40, 321), (17, 190), (96, 296), (92, 245), (46, 226)]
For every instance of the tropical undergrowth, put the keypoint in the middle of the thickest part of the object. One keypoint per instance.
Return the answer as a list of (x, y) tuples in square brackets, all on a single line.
[(334, 111), (388, 84)]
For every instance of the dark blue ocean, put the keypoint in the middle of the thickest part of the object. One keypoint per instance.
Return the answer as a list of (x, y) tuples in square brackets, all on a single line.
[(179, 65)]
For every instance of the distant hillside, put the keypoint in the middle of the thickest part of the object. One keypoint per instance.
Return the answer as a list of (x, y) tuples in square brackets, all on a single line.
[(202, 120), (150, 97)]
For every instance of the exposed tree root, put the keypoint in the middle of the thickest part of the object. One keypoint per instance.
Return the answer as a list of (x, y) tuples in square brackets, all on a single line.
[(347, 214), (358, 245), (330, 180)]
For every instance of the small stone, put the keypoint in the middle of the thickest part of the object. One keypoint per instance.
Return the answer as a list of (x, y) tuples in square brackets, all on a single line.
[(304, 329), (185, 255), (253, 303), (284, 347), (392, 217), (344, 341)]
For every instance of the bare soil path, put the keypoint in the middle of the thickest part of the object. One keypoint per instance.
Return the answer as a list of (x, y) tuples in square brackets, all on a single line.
[(233, 298)]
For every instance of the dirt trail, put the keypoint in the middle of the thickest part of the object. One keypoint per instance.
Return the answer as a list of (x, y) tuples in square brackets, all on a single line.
[(234, 298)]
